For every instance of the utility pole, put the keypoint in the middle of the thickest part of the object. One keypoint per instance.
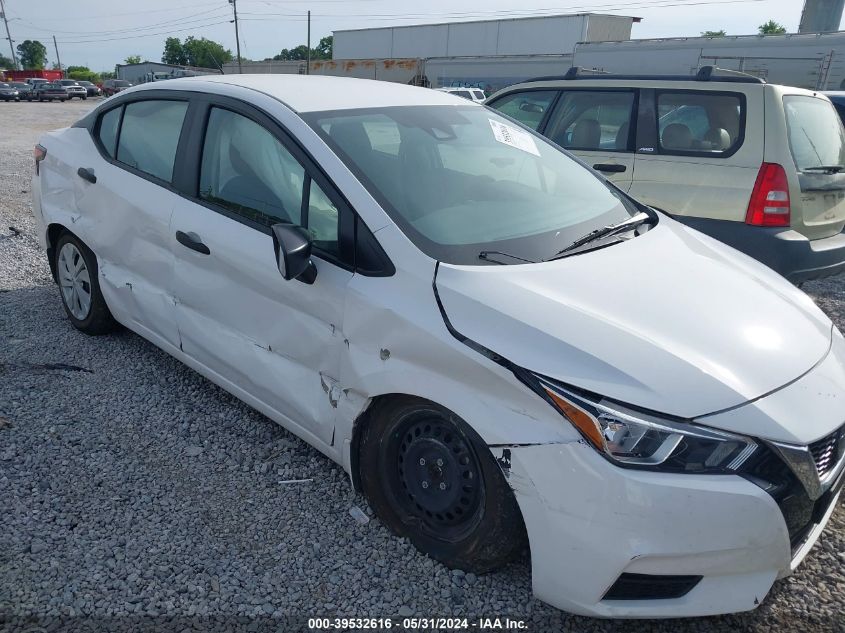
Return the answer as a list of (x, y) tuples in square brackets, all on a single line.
[(8, 35), (308, 48), (234, 4), (58, 59)]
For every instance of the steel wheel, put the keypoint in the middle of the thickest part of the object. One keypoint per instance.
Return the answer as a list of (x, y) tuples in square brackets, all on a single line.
[(75, 281), (439, 476), (430, 477)]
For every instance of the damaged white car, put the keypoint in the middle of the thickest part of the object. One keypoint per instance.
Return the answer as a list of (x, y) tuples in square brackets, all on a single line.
[(499, 346)]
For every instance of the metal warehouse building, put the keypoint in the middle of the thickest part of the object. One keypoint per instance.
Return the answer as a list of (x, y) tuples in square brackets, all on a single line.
[(547, 35)]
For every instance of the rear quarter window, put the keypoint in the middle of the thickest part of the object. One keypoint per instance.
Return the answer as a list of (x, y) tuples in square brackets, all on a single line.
[(107, 130)]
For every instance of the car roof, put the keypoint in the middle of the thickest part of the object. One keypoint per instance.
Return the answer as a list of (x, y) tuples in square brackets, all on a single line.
[(304, 93)]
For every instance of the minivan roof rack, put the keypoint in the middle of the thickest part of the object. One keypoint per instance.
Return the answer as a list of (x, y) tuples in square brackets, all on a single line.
[(705, 73)]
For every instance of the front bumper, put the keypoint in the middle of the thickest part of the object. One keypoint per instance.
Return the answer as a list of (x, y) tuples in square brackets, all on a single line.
[(589, 522), (785, 250)]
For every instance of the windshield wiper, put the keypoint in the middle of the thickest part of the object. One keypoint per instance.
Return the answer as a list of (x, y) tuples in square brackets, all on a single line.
[(605, 231), (829, 169), (485, 255)]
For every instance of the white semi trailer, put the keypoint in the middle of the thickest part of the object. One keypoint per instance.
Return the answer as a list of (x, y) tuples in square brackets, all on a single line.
[(812, 60)]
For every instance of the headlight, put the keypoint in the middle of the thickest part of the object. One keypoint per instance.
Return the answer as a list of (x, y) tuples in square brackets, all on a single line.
[(632, 438)]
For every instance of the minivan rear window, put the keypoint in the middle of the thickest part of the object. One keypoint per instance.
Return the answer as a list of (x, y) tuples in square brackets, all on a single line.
[(816, 136)]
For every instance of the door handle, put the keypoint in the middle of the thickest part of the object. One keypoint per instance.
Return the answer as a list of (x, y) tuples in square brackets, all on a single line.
[(610, 168), (192, 241), (86, 174)]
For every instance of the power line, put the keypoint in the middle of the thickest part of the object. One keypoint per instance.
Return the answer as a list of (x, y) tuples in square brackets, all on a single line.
[(188, 19), (132, 37), (105, 16), (617, 6)]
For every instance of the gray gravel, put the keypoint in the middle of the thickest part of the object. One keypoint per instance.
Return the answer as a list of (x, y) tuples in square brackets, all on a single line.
[(134, 494)]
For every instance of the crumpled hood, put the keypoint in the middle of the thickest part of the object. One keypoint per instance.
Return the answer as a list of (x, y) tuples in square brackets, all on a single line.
[(672, 321)]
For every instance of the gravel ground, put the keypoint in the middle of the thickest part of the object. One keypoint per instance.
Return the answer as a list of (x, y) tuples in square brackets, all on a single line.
[(134, 494)]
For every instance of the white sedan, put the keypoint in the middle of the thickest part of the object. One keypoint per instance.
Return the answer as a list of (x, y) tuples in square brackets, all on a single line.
[(499, 346)]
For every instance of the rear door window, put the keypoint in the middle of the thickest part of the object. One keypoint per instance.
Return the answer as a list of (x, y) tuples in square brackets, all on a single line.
[(527, 107), (696, 123), (816, 137), (593, 120), (149, 136)]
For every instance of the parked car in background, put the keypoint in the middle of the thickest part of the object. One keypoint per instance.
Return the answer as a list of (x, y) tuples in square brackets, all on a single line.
[(91, 89), (36, 81), (755, 165), (73, 88), (113, 86), (48, 91), (493, 340), (9, 92), (473, 94), (24, 90)]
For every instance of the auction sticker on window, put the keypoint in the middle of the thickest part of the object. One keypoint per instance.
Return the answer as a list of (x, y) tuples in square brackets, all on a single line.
[(514, 137)]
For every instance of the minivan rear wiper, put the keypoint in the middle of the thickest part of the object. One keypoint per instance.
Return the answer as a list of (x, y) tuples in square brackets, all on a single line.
[(829, 169), (605, 231)]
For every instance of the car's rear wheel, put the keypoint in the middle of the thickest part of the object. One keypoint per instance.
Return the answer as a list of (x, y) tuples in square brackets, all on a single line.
[(430, 477), (76, 272)]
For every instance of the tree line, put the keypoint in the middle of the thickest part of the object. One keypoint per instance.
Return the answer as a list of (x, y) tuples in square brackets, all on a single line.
[(199, 52), (769, 28)]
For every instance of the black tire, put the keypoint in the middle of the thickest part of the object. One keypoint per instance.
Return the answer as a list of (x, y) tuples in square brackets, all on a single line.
[(474, 523), (98, 319)]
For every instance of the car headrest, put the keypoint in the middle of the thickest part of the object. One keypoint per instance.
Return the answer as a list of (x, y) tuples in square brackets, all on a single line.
[(718, 138), (622, 136), (587, 134), (676, 136), (351, 137)]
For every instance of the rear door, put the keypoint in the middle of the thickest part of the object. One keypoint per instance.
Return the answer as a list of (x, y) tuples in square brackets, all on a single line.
[(278, 341), (699, 151), (817, 148), (128, 206), (598, 126)]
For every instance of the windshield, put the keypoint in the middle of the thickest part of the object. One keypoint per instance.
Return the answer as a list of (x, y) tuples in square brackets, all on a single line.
[(816, 137), (459, 180), (122, 84)]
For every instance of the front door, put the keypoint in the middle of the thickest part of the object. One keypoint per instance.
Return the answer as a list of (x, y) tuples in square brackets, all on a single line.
[(279, 341), (598, 127)]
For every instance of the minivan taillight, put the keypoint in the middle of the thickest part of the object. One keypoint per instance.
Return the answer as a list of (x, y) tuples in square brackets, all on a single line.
[(769, 205)]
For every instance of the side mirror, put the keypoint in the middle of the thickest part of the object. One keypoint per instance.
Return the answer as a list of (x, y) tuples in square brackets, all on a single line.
[(293, 253)]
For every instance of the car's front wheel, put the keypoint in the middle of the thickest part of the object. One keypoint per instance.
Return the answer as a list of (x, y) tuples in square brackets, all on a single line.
[(429, 476), (76, 272)]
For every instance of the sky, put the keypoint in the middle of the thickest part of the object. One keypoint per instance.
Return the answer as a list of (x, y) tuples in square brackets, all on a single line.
[(101, 33)]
